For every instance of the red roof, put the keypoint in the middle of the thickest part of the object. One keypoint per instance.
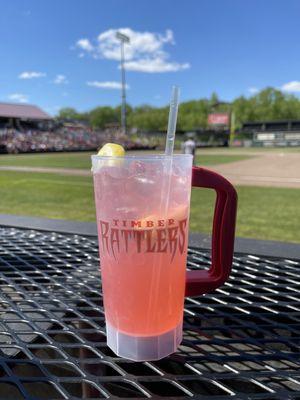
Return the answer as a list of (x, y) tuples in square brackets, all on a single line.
[(24, 111)]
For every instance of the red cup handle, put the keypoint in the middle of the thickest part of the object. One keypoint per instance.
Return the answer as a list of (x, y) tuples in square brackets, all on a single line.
[(200, 282)]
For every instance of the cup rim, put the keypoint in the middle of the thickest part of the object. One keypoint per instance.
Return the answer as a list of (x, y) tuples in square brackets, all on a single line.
[(162, 156)]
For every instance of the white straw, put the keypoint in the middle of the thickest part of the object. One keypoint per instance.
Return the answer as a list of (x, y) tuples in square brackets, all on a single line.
[(172, 121), (166, 188)]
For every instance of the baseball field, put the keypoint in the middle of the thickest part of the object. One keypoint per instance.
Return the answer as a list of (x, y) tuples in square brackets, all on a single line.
[(59, 185)]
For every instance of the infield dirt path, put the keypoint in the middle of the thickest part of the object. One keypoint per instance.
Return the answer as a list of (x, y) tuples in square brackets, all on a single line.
[(277, 169), (267, 169)]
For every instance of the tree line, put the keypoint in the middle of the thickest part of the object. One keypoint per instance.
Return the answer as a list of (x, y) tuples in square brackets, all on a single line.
[(268, 104)]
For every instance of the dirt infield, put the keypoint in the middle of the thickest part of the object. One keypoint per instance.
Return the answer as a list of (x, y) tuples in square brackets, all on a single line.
[(277, 169), (264, 168)]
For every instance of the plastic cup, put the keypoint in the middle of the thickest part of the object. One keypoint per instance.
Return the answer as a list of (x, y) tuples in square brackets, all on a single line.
[(142, 225)]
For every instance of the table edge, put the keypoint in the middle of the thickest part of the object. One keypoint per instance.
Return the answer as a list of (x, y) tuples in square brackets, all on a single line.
[(270, 248)]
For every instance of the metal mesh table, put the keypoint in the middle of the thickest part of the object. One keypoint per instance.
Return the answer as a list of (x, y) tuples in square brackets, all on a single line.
[(242, 341)]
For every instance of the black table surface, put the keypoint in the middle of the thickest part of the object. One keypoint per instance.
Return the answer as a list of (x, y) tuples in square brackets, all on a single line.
[(240, 342)]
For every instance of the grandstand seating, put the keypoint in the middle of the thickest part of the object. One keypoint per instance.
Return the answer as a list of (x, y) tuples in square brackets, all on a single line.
[(62, 139)]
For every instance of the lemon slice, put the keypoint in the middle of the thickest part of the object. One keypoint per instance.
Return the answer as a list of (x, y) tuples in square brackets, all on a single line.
[(112, 150)]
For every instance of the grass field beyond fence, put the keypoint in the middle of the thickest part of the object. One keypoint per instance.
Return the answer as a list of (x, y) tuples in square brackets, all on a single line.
[(263, 213)]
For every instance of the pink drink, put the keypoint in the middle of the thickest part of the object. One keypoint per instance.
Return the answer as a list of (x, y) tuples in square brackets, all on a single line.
[(142, 217)]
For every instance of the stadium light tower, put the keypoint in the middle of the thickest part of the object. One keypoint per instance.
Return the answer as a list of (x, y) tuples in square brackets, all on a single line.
[(123, 39)]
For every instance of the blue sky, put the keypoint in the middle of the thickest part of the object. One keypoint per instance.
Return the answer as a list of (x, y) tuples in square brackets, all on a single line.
[(62, 53)]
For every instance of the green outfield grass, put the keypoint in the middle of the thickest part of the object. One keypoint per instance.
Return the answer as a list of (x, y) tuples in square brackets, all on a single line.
[(264, 213), (215, 159), (82, 160), (47, 195)]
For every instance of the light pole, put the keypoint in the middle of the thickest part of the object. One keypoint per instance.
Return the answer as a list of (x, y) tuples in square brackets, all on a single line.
[(123, 39)]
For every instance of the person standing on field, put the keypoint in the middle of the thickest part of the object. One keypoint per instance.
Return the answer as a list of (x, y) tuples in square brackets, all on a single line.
[(189, 147)]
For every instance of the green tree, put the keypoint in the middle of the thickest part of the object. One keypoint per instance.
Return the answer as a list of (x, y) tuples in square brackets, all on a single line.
[(68, 113), (149, 118), (101, 116), (268, 104), (193, 114)]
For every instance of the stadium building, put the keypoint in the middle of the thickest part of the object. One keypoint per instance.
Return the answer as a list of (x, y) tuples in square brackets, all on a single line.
[(273, 133), (23, 117)]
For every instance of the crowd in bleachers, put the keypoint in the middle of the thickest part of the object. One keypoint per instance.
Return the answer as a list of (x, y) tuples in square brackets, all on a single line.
[(60, 139)]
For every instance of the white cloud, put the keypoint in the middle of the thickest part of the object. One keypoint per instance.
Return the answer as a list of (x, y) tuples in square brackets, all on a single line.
[(106, 85), (31, 75), (293, 86), (253, 90), (60, 79), (85, 44), (19, 97), (141, 43), (155, 65), (145, 52)]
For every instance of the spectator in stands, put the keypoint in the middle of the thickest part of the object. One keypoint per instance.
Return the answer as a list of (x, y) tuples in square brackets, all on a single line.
[(62, 139)]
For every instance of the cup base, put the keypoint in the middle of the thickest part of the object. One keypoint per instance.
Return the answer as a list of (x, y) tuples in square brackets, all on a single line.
[(143, 348)]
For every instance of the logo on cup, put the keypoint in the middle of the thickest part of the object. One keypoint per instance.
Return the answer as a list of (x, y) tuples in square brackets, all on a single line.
[(143, 236)]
